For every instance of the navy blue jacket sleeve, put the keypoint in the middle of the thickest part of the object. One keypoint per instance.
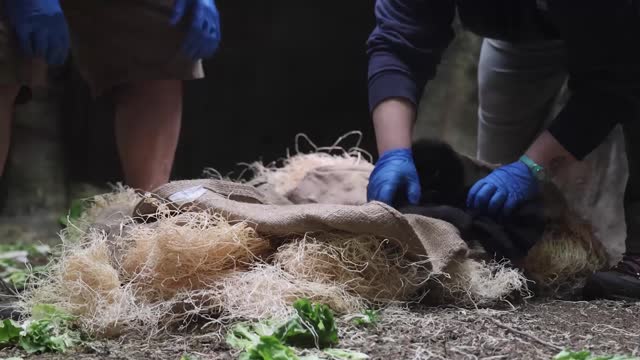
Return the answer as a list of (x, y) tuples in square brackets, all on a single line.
[(604, 72), (406, 46)]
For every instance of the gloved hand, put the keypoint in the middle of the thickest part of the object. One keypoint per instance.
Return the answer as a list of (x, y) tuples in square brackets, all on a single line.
[(393, 174), (499, 193), (41, 29), (203, 35)]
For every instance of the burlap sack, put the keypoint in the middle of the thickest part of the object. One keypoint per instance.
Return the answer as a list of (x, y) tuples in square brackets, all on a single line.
[(421, 237), (337, 184)]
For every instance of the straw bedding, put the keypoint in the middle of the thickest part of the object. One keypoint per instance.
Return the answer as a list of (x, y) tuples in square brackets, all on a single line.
[(147, 276)]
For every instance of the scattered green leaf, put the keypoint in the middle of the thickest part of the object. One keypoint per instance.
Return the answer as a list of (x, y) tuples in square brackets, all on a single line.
[(9, 331), (586, 355), (50, 312), (342, 354), (188, 357), (18, 278), (47, 330), (258, 342), (269, 348), (8, 263), (16, 260), (31, 249), (243, 335), (568, 355), (77, 208), (240, 337), (311, 357), (313, 326), (368, 317)]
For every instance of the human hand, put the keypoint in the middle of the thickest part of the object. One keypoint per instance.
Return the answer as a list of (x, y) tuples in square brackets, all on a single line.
[(40, 28), (502, 191), (203, 34), (394, 172)]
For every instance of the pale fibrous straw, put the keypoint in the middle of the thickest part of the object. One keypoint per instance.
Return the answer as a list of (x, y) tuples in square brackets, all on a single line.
[(146, 277)]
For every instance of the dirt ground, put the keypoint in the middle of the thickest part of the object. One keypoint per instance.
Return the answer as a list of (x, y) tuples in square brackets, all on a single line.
[(534, 330)]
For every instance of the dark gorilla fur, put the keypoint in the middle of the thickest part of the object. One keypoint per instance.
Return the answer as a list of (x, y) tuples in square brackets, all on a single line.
[(441, 172), (445, 178)]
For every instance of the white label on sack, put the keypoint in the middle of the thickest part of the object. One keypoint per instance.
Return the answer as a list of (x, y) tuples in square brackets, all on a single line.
[(187, 195)]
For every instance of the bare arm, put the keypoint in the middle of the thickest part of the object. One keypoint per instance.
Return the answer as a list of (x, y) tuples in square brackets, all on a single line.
[(547, 152), (393, 121), (403, 51)]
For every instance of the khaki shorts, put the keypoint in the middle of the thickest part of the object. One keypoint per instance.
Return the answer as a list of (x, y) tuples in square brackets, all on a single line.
[(114, 42)]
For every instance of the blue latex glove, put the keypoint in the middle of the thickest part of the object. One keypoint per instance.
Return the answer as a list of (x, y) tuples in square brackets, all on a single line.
[(203, 34), (502, 191), (394, 173), (41, 29)]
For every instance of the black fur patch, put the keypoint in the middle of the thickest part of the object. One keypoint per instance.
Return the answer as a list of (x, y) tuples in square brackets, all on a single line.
[(441, 173), (442, 179)]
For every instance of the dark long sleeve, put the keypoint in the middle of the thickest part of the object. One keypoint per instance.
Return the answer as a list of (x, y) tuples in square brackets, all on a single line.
[(590, 116), (406, 46), (604, 71)]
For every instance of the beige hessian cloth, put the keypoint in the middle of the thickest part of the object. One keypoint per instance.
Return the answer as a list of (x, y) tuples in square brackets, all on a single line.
[(423, 238)]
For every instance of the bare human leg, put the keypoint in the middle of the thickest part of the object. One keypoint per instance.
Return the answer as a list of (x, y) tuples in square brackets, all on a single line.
[(147, 127)]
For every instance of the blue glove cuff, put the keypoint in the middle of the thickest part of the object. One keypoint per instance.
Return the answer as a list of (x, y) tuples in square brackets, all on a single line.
[(397, 152)]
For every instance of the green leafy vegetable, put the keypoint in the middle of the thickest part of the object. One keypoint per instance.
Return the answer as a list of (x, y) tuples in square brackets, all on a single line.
[(269, 348), (14, 263), (47, 330), (50, 313), (188, 357), (41, 336), (313, 326), (258, 342), (368, 317), (78, 207), (342, 354), (243, 335), (9, 331), (31, 249), (311, 357), (18, 278), (586, 355)]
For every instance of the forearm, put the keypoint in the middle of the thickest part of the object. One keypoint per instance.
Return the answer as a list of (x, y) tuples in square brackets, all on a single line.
[(547, 152), (393, 121)]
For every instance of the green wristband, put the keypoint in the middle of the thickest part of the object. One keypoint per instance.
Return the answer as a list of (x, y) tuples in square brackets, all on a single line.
[(537, 170)]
